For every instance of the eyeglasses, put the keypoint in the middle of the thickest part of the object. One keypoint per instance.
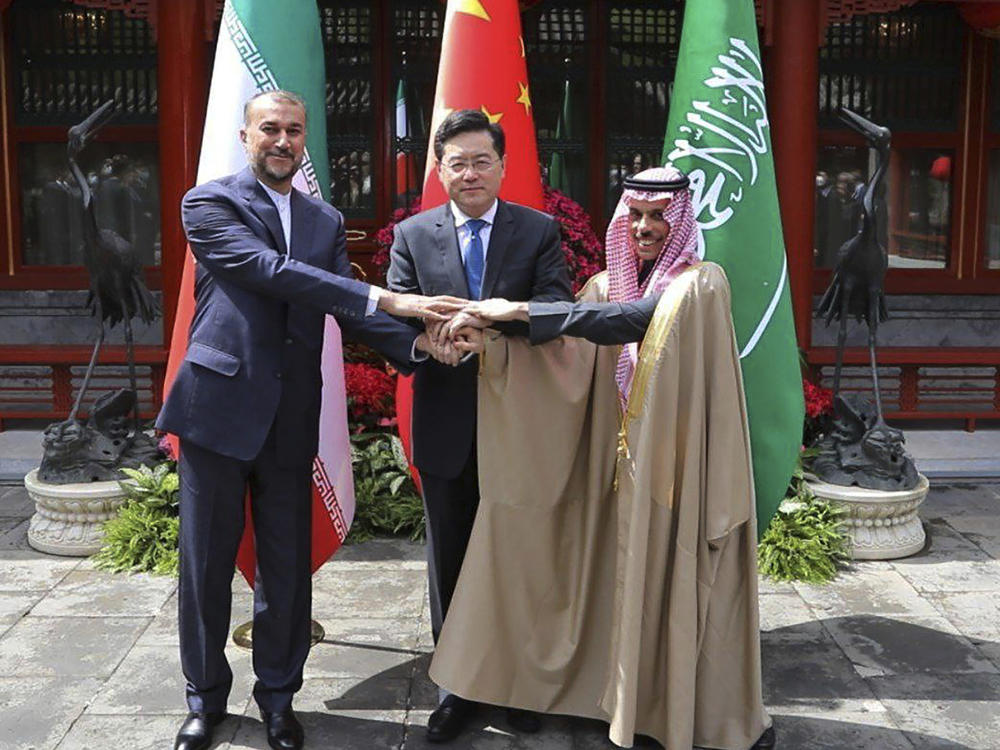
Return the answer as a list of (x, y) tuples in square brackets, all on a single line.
[(479, 166)]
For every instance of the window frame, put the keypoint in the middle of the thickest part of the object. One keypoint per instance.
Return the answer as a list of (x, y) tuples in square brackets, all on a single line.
[(965, 271), (14, 273)]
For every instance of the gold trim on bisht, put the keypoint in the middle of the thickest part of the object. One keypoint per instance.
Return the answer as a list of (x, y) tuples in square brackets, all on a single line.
[(649, 355)]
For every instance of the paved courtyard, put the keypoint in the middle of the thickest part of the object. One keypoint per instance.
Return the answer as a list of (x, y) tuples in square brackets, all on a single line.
[(892, 655)]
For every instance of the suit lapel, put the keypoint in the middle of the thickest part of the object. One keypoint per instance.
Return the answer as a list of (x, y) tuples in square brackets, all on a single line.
[(259, 202), (451, 256), (500, 235), (303, 226)]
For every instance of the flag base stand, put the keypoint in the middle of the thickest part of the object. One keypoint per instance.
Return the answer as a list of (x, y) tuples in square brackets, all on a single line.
[(243, 634)]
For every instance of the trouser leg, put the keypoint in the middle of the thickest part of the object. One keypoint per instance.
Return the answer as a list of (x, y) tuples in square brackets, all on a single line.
[(212, 490), (281, 502), (450, 509)]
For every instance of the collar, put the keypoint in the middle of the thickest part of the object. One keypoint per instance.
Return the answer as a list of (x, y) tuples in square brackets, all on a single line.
[(278, 198), (461, 218)]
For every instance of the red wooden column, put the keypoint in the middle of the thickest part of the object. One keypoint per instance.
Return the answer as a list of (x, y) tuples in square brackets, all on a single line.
[(183, 92), (793, 100)]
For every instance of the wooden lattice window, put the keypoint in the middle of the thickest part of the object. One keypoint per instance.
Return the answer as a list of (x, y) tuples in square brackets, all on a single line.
[(347, 29), (416, 27), (643, 41), (556, 37), (64, 61), (903, 70), (991, 143)]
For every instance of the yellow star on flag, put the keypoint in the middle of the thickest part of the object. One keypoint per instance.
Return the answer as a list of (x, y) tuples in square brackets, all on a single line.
[(473, 8), (524, 98), (494, 118)]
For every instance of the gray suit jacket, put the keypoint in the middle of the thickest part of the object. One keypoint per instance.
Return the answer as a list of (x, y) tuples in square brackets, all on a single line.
[(524, 261), (600, 322)]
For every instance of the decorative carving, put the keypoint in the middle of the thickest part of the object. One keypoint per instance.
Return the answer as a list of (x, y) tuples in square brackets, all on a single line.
[(881, 525), (69, 518), (146, 10)]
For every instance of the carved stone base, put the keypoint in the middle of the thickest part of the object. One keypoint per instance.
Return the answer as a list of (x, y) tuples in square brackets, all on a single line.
[(882, 525), (69, 518)]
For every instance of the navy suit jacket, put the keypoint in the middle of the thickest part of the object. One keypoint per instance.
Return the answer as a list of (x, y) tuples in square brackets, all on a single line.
[(253, 356), (524, 261)]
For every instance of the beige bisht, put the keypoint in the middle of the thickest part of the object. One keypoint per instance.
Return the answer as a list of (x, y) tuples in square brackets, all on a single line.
[(611, 572)]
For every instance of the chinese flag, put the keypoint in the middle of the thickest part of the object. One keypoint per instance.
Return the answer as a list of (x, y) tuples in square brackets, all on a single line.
[(482, 67)]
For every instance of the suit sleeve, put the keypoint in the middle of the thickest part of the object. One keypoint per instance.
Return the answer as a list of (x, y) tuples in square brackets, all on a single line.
[(383, 333), (402, 274), (227, 248), (599, 322), (551, 281)]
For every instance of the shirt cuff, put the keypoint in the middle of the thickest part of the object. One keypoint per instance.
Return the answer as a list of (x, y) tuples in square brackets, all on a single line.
[(416, 355), (374, 295)]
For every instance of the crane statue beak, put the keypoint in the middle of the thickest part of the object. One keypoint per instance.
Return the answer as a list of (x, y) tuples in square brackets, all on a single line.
[(81, 133), (861, 125)]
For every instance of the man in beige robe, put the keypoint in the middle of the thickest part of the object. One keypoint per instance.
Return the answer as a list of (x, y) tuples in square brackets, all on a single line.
[(611, 571)]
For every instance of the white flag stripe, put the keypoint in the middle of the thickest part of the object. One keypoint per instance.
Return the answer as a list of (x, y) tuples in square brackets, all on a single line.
[(238, 74), (769, 312)]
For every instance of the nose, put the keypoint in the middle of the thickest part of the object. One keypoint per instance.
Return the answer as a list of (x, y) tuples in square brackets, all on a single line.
[(282, 138)]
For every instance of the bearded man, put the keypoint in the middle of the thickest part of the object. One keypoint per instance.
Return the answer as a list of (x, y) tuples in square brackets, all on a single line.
[(627, 536), (271, 263)]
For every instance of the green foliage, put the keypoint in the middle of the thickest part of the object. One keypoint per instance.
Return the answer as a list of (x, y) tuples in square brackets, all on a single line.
[(805, 540), (386, 500), (142, 538), (157, 488)]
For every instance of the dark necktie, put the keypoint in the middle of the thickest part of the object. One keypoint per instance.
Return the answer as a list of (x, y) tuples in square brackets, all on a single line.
[(475, 258)]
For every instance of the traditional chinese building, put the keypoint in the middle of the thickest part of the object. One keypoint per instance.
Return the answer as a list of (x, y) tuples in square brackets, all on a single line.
[(600, 77)]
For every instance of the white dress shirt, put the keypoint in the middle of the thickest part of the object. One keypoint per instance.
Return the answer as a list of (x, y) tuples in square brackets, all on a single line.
[(465, 234)]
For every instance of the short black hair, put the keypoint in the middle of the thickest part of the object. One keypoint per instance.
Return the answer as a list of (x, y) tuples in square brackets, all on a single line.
[(279, 95), (467, 121)]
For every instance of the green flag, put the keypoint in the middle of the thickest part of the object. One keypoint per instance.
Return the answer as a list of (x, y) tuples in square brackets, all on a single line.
[(718, 133), (558, 174)]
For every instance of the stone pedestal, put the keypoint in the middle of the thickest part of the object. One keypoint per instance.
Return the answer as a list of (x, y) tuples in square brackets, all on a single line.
[(69, 518), (881, 525)]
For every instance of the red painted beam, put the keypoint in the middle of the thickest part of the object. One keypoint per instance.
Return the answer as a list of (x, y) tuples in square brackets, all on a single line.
[(183, 93), (793, 101)]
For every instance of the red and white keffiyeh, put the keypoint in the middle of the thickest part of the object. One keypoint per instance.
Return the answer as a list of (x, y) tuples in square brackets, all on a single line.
[(679, 252)]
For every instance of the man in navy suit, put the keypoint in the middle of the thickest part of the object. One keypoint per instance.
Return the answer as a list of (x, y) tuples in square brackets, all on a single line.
[(271, 263), (474, 246)]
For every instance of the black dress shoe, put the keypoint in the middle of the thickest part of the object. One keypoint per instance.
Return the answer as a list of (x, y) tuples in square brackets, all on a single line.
[(196, 731), (283, 730), (766, 741), (448, 719), (523, 721)]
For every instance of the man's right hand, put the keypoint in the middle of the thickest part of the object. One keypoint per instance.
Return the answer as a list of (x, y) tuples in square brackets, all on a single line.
[(418, 306)]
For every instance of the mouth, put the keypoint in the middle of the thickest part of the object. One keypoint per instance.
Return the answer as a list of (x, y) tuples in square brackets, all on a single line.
[(647, 241)]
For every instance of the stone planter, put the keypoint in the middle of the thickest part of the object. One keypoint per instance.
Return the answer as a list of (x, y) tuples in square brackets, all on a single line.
[(881, 525), (69, 518)]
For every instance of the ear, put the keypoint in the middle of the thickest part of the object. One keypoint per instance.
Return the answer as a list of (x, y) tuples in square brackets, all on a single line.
[(243, 136), (503, 166)]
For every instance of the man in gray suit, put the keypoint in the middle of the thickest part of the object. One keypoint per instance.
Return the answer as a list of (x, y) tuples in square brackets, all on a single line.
[(272, 263), (474, 246)]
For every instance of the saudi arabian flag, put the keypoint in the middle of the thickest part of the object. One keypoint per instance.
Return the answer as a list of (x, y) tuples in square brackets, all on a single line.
[(265, 45), (718, 133)]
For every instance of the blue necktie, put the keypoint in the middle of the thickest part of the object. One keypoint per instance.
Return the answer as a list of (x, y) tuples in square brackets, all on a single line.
[(475, 258)]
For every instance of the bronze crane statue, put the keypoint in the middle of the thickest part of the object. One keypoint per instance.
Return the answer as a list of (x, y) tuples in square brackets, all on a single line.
[(117, 290), (860, 448), (858, 277)]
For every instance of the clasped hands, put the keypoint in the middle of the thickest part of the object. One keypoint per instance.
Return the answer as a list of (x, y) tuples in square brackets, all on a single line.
[(454, 326)]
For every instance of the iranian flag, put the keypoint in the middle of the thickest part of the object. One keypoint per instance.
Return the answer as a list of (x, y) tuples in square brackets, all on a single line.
[(482, 67), (264, 45), (718, 133), (406, 166)]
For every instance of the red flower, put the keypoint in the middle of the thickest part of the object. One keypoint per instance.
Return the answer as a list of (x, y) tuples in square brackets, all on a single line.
[(370, 390), (819, 401)]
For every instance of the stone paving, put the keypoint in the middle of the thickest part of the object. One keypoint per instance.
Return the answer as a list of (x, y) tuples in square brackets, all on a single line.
[(892, 655)]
